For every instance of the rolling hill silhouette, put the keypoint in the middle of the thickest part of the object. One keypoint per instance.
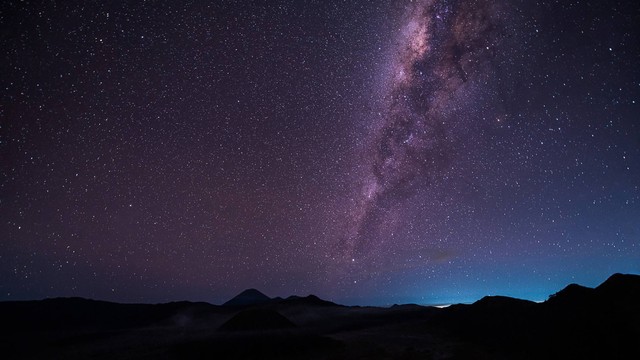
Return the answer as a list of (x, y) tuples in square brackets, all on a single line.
[(576, 322)]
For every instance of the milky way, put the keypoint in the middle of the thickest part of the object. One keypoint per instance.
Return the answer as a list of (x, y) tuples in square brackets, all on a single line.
[(441, 46)]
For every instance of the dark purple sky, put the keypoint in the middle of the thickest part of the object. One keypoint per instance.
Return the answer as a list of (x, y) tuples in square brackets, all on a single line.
[(368, 152)]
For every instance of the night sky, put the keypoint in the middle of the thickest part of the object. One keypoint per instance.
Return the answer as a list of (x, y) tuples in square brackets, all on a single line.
[(368, 152)]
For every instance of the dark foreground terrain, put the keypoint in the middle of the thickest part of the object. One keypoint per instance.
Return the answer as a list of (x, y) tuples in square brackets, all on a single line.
[(575, 323)]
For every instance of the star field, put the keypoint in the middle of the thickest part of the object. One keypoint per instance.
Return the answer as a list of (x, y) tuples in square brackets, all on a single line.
[(381, 152)]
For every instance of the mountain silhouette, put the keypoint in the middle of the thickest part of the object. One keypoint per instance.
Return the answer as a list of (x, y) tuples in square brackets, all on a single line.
[(623, 287), (78, 313), (577, 322), (310, 300), (248, 297)]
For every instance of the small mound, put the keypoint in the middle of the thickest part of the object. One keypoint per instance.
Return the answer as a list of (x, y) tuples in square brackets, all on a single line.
[(257, 319)]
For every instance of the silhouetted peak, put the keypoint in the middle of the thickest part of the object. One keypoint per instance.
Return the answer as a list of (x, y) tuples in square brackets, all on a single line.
[(248, 297), (620, 289), (572, 293), (309, 300), (73, 300), (575, 289), (620, 283), (313, 298)]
